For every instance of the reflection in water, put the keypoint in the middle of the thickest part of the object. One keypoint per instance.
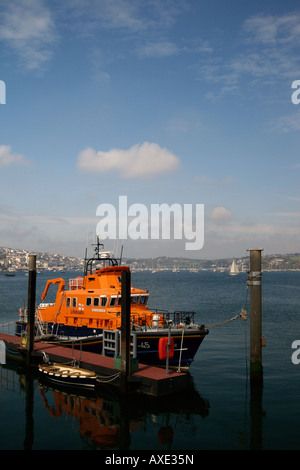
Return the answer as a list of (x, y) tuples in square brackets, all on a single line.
[(107, 419), (29, 434), (97, 417), (257, 414)]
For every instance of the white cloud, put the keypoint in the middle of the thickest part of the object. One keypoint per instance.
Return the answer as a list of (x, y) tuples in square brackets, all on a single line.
[(145, 160), (28, 28), (8, 158), (208, 180), (288, 123), (44, 232), (229, 236), (272, 30), (220, 214), (270, 55), (125, 15), (157, 49), (274, 43)]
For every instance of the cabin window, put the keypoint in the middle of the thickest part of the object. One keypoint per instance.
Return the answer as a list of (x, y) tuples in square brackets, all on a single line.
[(89, 301), (112, 301), (119, 278), (134, 299), (143, 299), (103, 301), (74, 302), (96, 302), (68, 302)]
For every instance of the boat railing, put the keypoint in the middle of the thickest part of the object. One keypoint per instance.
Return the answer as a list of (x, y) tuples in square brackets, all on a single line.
[(8, 328), (176, 319), (140, 321), (76, 283)]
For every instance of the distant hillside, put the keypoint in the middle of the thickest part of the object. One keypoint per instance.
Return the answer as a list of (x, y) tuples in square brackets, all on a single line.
[(269, 262), (17, 260)]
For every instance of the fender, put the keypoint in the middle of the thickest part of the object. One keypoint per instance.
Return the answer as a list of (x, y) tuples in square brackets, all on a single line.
[(162, 347)]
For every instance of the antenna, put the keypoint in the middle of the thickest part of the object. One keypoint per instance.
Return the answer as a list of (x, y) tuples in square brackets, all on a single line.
[(121, 252)]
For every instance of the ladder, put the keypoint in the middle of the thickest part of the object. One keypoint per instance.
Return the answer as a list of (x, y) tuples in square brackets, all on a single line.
[(112, 343)]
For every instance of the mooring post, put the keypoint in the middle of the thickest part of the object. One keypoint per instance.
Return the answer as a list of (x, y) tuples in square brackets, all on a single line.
[(125, 328), (31, 306), (168, 349), (254, 281)]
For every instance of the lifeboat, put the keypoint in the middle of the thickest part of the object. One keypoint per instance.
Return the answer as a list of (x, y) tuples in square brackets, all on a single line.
[(68, 375), (88, 308)]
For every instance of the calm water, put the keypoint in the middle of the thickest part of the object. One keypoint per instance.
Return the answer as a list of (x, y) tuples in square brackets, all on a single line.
[(222, 412)]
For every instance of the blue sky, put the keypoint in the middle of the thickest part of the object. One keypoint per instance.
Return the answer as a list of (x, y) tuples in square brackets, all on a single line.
[(183, 102)]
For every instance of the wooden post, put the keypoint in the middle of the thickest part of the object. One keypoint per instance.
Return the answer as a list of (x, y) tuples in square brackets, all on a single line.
[(254, 281), (125, 329), (31, 306)]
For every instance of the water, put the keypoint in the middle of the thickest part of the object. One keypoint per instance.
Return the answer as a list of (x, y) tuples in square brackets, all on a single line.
[(222, 412)]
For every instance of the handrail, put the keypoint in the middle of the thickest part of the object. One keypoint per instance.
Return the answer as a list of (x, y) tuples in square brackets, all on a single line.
[(177, 317), (9, 327)]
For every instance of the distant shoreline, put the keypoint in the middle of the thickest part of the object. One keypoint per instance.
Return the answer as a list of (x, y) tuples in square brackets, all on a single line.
[(17, 260)]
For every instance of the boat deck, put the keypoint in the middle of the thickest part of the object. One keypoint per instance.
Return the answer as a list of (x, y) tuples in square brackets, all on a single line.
[(147, 379)]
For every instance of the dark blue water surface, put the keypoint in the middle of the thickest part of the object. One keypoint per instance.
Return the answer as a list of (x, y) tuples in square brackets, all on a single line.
[(222, 411)]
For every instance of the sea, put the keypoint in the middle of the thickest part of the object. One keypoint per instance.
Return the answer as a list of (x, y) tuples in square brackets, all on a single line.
[(223, 409)]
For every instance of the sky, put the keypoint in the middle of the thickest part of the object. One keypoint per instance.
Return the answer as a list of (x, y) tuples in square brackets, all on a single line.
[(162, 102)]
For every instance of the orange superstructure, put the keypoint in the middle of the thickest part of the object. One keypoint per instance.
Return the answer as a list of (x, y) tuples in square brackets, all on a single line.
[(94, 301)]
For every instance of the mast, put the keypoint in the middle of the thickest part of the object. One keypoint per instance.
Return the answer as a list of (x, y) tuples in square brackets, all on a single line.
[(103, 257)]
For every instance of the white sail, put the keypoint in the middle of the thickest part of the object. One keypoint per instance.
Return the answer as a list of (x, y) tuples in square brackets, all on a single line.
[(234, 270)]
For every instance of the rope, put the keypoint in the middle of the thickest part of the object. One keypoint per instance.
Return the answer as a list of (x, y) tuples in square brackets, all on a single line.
[(106, 379), (10, 351), (242, 315)]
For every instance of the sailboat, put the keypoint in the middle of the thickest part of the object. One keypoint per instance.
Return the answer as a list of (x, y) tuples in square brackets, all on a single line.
[(234, 270)]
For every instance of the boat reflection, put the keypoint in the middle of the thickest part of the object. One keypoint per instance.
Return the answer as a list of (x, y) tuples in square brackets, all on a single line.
[(96, 416), (107, 420)]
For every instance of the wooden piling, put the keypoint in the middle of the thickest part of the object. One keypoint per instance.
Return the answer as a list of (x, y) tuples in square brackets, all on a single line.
[(31, 306), (255, 281), (125, 329)]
